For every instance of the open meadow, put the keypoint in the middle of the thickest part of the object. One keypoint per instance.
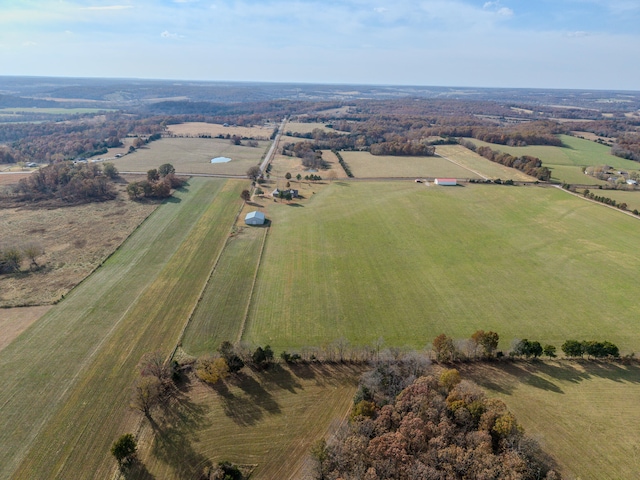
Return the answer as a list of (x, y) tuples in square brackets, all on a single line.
[(398, 260), (193, 155), (584, 414), (480, 165), (75, 366), (75, 240), (194, 129), (365, 165), (566, 162), (267, 420)]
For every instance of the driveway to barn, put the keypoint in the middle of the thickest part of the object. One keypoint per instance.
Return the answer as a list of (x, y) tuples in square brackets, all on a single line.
[(274, 145)]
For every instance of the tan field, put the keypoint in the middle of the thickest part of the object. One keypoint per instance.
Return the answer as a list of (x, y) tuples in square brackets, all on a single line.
[(75, 241), (194, 129), (13, 321), (483, 167)]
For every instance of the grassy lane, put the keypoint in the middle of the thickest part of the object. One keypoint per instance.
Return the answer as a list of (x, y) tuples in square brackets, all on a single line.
[(98, 401), (221, 310), (37, 368), (405, 262)]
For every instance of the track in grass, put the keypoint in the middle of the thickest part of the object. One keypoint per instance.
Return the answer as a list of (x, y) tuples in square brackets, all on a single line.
[(74, 368), (406, 262)]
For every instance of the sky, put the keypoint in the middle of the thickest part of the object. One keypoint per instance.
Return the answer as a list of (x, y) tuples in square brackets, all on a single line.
[(575, 44)]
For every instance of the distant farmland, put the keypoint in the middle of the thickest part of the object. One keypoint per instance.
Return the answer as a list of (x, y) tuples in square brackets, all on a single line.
[(407, 262), (193, 155)]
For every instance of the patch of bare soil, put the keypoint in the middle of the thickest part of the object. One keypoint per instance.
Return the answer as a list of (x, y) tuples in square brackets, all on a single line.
[(13, 321), (75, 239)]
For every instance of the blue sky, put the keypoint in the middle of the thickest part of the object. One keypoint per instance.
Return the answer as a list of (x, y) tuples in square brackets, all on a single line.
[(502, 43)]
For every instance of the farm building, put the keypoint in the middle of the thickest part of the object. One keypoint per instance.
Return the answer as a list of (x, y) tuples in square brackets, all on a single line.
[(254, 218), (446, 181)]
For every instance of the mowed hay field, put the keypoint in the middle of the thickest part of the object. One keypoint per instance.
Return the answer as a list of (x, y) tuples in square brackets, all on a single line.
[(363, 260), (471, 160), (262, 132), (365, 165), (67, 379), (631, 198), (193, 155), (13, 321), (584, 414), (265, 419), (566, 162)]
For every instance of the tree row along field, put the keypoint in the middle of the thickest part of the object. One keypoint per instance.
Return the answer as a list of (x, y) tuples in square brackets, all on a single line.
[(404, 262), (80, 358)]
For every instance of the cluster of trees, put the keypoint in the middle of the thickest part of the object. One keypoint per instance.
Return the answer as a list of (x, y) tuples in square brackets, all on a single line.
[(158, 184), (483, 345), (12, 257), (400, 148), (627, 146), (155, 384), (526, 163), (433, 428), (67, 181), (229, 360), (591, 348), (309, 153)]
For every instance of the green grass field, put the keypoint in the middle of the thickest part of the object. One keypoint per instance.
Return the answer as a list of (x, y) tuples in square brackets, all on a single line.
[(566, 162), (193, 155), (224, 303), (585, 415), (69, 375), (631, 198), (365, 165), (268, 419), (406, 263)]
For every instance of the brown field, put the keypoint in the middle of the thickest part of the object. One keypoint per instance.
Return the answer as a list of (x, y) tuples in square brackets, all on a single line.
[(13, 321), (75, 239), (193, 129), (483, 167), (11, 178), (282, 164), (302, 127), (193, 155), (267, 420), (591, 136)]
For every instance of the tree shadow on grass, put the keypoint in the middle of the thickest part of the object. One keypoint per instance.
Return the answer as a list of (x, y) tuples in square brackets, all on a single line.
[(137, 471), (280, 377), (175, 431), (257, 393)]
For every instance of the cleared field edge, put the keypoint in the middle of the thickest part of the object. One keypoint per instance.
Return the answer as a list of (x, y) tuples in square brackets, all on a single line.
[(147, 337)]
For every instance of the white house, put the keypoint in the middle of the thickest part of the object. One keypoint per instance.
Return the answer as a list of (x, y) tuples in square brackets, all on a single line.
[(254, 218), (446, 181)]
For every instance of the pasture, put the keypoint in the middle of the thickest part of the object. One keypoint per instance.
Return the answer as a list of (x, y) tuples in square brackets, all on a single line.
[(584, 414), (266, 419), (302, 127), (631, 198), (195, 129), (193, 155), (472, 161), (75, 240), (566, 162), (365, 165), (363, 260), (282, 164), (13, 321), (75, 366)]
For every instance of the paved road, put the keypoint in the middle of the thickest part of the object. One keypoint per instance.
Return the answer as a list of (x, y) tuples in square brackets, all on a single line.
[(272, 150)]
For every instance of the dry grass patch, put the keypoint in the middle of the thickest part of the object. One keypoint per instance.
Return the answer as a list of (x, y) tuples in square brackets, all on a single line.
[(75, 240), (584, 414), (301, 127), (13, 321), (471, 160), (195, 129), (268, 419)]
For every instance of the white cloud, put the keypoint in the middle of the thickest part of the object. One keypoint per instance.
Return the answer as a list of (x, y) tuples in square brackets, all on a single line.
[(380, 9), (167, 34), (505, 12), (578, 34)]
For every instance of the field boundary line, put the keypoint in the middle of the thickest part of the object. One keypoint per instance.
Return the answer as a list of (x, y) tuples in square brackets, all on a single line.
[(461, 166), (204, 287), (253, 286), (575, 194)]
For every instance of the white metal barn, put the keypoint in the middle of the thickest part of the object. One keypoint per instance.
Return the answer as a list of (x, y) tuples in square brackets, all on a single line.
[(254, 218), (451, 182)]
